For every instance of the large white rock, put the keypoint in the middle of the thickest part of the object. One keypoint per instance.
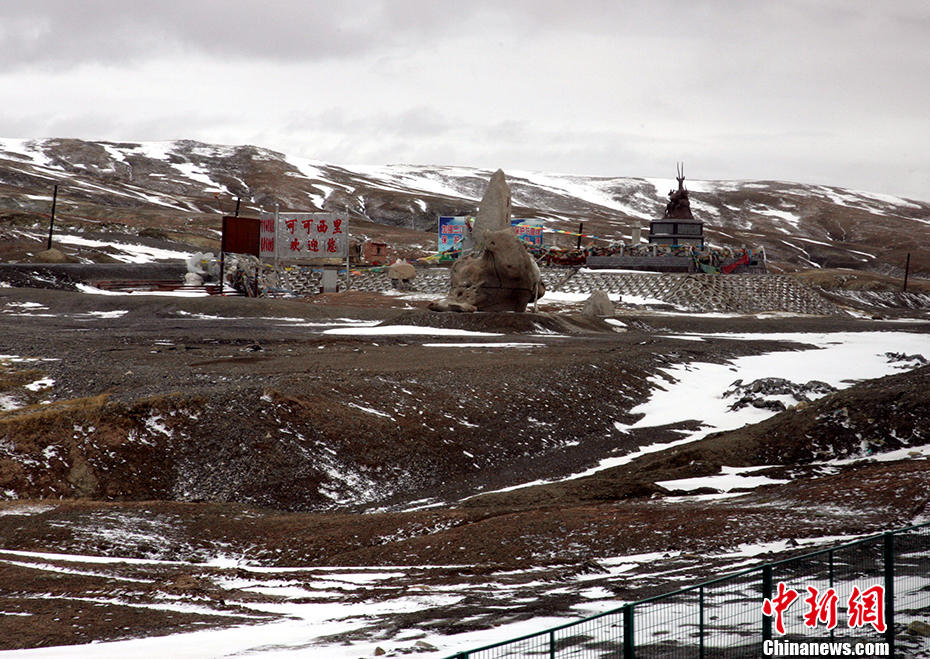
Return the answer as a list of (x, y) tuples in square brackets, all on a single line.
[(598, 304), (401, 270), (193, 279), (494, 211)]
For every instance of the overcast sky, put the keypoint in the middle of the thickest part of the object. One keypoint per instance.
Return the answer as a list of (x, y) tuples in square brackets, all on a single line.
[(820, 91)]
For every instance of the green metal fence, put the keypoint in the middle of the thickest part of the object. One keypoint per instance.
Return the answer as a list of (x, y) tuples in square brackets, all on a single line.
[(724, 617)]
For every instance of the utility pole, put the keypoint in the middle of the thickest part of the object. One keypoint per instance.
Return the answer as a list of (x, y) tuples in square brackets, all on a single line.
[(277, 237), (348, 249), (238, 201), (51, 222)]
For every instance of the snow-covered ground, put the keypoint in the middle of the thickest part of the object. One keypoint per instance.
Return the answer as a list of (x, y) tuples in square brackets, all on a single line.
[(561, 298), (312, 599), (126, 252), (694, 391), (314, 603), (512, 344), (403, 330), (93, 290)]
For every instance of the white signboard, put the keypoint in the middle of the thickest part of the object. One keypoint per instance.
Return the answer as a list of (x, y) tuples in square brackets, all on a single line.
[(305, 237)]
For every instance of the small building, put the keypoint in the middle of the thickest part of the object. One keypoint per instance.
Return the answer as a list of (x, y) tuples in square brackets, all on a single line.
[(378, 253)]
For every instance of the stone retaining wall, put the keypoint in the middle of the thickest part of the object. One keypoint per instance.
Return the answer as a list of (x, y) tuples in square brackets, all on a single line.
[(747, 293)]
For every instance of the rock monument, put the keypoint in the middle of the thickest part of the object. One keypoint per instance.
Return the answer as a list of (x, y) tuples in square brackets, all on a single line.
[(494, 211), (499, 274)]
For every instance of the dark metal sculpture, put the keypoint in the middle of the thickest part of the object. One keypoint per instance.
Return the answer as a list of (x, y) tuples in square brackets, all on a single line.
[(679, 207)]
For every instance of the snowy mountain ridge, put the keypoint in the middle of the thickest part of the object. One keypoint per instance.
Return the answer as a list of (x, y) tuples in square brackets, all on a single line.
[(801, 226)]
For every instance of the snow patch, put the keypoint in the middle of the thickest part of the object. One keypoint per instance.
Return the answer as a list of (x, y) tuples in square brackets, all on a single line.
[(484, 345), (130, 253), (39, 385), (400, 330)]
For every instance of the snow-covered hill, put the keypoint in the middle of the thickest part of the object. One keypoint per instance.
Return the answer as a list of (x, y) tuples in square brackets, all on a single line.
[(187, 183)]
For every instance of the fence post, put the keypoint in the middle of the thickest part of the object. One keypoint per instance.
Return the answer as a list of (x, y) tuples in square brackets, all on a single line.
[(889, 590), (701, 622), (552, 644), (629, 648), (830, 554), (766, 594)]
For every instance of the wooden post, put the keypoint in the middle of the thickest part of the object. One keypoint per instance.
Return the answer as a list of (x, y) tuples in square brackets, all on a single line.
[(580, 231), (276, 238), (348, 249), (907, 268), (223, 257), (51, 222)]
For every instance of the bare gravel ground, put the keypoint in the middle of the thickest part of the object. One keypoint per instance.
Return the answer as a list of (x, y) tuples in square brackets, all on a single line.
[(188, 429)]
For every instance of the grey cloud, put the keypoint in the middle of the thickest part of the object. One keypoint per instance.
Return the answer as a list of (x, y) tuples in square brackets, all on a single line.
[(63, 32), (791, 89), (100, 29), (725, 47)]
